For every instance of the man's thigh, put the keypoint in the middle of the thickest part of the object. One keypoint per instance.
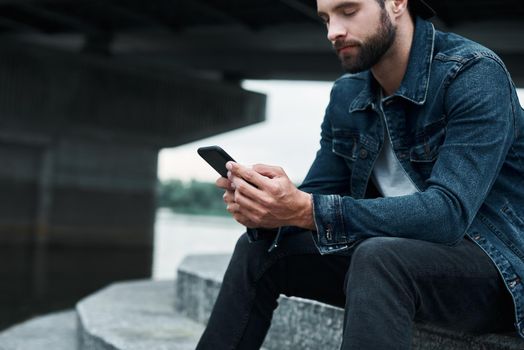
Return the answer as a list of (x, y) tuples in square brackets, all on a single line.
[(452, 286)]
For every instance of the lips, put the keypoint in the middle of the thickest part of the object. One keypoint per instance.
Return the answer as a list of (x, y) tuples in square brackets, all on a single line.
[(346, 48)]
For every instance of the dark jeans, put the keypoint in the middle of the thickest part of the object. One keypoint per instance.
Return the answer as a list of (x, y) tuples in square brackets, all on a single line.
[(384, 285)]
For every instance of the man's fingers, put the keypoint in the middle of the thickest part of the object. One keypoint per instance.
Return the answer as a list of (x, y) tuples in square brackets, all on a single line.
[(268, 170), (233, 207), (259, 195), (255, 211), (248, 174), (240, 216), (247, 190), (223, 183), (238, 213), (229, 197)]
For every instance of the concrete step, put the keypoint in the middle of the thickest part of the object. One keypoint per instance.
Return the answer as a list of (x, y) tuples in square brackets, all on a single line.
[(56, 331), (306, 324), (198, 281), (135, 316), (151, 315)]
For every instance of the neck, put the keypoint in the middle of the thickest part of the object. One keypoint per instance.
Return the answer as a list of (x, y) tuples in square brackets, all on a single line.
[(390, 70)]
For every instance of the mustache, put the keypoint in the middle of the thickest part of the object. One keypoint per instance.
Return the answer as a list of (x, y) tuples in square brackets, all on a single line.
[(340, 44)]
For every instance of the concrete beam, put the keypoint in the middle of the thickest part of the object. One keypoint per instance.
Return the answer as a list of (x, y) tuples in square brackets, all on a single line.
[(71, 92), (287, 51)]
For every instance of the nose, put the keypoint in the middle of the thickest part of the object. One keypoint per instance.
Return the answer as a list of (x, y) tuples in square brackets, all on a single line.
[(336, 30)]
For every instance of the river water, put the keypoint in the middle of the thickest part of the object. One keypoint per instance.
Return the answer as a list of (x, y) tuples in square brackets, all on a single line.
[(177, 235)]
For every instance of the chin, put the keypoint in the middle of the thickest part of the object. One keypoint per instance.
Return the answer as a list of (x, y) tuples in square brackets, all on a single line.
[(353, 68)]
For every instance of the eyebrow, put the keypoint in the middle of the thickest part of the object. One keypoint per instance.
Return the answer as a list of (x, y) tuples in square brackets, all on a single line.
[(339, 6)]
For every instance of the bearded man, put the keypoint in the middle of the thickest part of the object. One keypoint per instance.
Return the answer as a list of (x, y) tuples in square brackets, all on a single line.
[(413, 209)]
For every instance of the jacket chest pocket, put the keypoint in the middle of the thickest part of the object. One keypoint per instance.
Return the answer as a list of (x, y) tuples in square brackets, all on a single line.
[(424, 153), (345, 145), (353, 146)]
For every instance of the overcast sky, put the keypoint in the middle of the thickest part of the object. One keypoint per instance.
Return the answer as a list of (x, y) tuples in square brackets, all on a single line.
[(289, 137)]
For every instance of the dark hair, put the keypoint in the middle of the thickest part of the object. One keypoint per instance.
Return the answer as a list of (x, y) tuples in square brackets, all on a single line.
[(381, 3)]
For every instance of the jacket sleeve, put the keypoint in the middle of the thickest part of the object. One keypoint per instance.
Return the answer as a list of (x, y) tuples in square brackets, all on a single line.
[(479, 132)]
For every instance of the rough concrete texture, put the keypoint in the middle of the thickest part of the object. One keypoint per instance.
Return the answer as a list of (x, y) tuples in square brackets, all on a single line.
[(306, 324), (139, 315), (135, 316), (55, 331), (198, 281)]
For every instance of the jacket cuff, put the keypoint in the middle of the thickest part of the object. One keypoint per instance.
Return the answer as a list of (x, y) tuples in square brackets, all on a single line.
[(328, 217)]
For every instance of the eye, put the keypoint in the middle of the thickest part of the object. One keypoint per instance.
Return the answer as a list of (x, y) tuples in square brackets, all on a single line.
[(349, 13)]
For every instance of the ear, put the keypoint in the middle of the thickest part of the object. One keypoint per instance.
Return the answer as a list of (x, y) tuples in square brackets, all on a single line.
[(399, 7)]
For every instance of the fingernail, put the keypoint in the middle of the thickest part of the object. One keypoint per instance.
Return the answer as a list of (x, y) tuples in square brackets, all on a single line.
[(229, 165)]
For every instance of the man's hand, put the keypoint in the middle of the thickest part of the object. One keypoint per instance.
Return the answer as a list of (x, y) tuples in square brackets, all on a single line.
[(229, 199), (263, 196)]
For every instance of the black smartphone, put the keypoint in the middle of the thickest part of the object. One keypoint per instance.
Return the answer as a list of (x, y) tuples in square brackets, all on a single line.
[(216, 157)]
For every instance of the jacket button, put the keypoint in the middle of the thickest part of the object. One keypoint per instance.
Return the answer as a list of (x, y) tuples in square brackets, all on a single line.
[(513, 283), (363, 153), (329, 235)]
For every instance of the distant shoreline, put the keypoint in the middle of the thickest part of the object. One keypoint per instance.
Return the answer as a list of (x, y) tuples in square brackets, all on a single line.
[(195, 212)]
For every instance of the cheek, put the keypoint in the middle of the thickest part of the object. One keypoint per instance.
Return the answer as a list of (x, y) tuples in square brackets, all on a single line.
[(367, 22)]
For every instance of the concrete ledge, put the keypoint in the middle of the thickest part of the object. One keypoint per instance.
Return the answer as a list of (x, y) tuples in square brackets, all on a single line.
[(198, 281), (55, 331), (134, 316), (306, 324), (140, 315)]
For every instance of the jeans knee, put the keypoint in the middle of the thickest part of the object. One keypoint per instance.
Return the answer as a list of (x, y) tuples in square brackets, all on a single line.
[(378, 248), (384, 273), (378, 257)]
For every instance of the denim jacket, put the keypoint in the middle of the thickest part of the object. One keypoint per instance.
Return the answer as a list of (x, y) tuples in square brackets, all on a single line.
[(457, 129)]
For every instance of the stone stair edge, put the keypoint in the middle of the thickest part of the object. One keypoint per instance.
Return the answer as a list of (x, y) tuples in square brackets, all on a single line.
[(295, 310), (500, 341), (41, 332), (138, 315), (204, 266)]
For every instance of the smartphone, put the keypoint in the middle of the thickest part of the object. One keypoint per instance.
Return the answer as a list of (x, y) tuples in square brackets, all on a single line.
[(216, 157)]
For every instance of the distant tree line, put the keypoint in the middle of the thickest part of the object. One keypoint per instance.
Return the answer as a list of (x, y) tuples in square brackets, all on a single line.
[(192, 197)]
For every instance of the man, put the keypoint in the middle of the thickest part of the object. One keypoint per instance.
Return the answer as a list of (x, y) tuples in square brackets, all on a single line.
[(413, 209)]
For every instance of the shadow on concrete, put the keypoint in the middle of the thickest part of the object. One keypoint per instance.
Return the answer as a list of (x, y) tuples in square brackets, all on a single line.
[(39, 280)]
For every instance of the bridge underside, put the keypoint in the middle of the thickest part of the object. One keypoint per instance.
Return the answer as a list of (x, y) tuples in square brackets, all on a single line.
[(233, 40)]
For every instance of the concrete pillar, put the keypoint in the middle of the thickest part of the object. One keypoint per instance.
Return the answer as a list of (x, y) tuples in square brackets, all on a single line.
[(79, 139)]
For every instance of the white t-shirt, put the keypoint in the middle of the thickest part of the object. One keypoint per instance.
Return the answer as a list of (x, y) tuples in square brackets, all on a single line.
[(389, 176)]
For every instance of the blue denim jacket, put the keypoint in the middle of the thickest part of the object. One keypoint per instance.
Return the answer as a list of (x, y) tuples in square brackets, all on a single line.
[(457, 128)]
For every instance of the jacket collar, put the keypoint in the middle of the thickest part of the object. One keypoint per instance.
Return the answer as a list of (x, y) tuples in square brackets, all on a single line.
[(415, 84)]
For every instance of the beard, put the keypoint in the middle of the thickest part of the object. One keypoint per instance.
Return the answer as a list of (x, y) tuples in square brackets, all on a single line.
[(371, 50)]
